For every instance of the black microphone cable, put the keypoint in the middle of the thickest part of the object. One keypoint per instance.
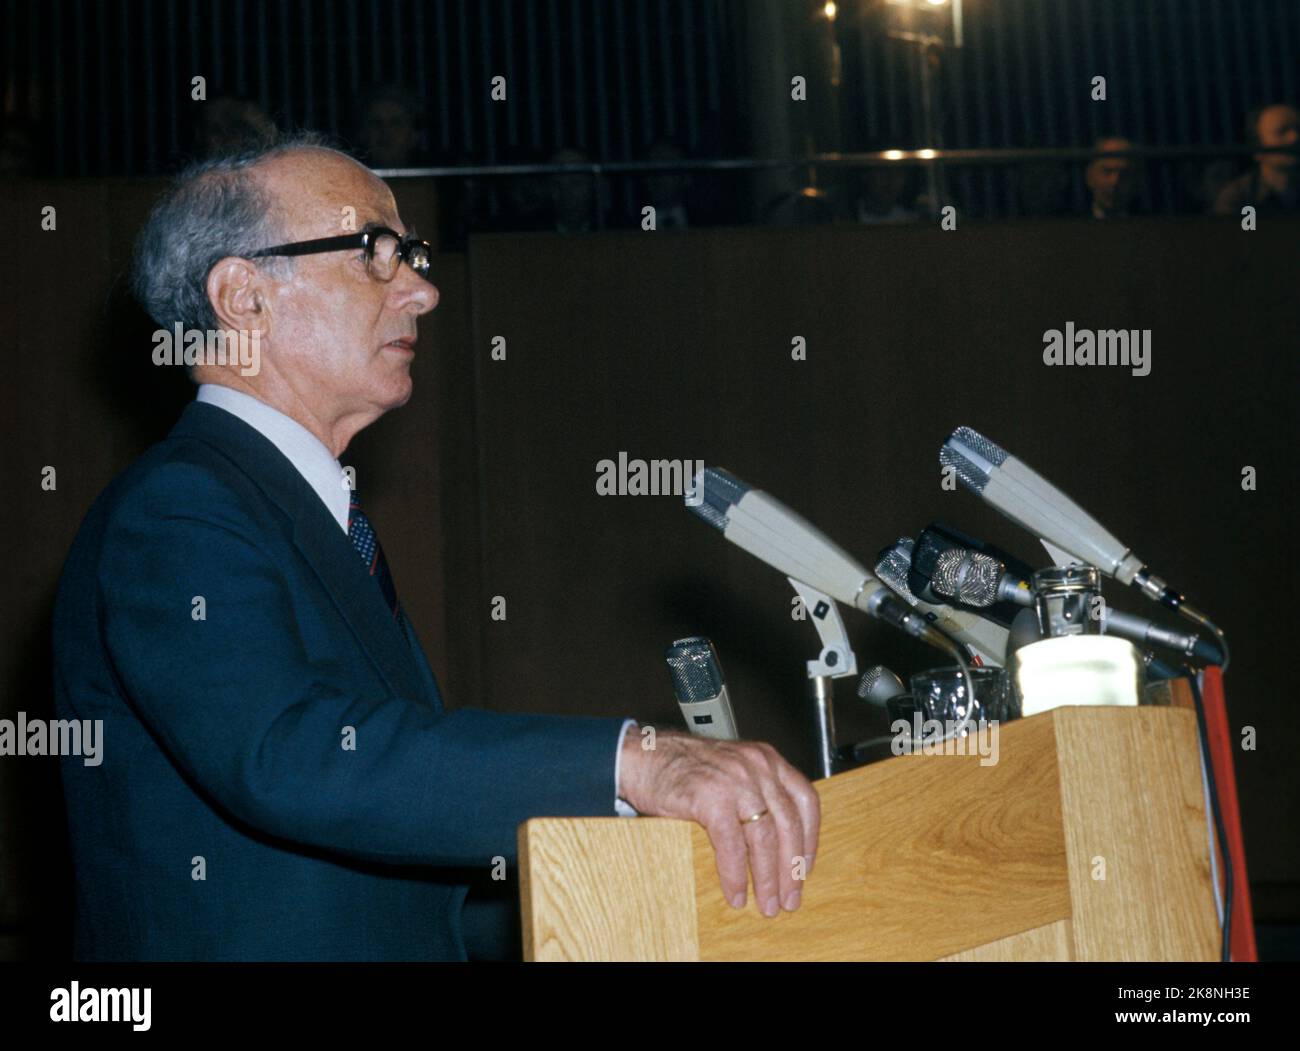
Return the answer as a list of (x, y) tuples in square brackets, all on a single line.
[(1196, 616)]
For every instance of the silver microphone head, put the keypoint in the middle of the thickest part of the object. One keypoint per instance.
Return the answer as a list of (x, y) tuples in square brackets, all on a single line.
[(721, 489), (973, 456), (696, 673), (879, 685), (892, 567), (969, 576)]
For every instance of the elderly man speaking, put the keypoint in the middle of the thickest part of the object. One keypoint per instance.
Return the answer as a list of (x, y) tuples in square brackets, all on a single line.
[(281, 780)]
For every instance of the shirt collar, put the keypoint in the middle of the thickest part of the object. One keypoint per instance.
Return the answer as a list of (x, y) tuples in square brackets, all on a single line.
[(304, 450)]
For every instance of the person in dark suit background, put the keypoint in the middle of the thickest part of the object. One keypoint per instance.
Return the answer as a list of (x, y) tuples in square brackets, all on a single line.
[(281, 780)]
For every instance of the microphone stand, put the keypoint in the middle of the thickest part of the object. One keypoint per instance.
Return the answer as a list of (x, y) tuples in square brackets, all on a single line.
[(836, 661)]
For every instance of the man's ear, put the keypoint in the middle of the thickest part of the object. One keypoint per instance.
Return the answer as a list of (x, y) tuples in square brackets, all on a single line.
[(237, 291)]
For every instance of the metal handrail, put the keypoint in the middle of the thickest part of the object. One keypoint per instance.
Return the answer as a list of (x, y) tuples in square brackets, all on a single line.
[(875, 159)]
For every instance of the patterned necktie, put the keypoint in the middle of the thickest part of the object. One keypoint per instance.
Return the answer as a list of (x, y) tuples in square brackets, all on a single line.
[(362, 535)]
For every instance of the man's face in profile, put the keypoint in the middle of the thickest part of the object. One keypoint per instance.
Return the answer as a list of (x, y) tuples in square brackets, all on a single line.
[(342, 340)]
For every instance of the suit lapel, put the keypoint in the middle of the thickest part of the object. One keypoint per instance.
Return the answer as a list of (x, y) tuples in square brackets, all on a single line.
[(317, 535)]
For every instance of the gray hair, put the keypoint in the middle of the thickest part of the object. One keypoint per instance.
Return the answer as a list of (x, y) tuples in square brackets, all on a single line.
[(213, 209)]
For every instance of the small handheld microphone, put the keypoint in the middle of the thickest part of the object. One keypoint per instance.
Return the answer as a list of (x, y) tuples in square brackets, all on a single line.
[(700, 688)]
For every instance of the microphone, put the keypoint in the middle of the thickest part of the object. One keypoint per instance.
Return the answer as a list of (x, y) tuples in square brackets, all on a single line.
[(700, 688), (1139, 629), (936, 539), (987, 640), (1032, 502), (879, 686), (979, 580), (767, 529), (940, 536)]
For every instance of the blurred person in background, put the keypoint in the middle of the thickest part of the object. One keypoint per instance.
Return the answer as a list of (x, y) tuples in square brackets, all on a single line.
[(16, 150), (1112, 180), (526, 198), (1271, 184), (885, 195), (573, 195), (229, 124), (390, 120), (666, 190)]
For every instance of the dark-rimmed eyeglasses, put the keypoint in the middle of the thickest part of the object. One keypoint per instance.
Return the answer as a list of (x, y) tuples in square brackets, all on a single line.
[(385, 251)]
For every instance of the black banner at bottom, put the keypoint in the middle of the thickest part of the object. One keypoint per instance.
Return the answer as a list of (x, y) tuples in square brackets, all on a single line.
[(339, 1000)]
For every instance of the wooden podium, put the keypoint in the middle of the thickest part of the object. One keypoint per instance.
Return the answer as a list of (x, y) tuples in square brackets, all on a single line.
[(1086, 840)]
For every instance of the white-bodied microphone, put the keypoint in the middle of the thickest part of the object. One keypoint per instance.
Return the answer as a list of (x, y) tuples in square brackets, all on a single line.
[(1031, 501), (701, 690), (770, 531)]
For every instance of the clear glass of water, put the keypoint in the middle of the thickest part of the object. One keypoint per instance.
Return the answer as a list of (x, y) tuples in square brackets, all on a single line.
[(942, 694)]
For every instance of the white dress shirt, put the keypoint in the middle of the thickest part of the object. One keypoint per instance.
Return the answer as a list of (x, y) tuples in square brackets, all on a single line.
[(323, 472), (300, 447)]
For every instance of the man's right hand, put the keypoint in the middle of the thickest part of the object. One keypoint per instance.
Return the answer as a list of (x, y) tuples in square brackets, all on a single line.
[(722, 785)]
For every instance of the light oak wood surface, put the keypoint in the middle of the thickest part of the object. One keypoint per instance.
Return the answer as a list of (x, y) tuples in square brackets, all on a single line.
[(1085, 840)]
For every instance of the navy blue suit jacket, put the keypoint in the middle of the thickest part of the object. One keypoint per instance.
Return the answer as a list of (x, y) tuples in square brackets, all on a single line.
[(223, 734)]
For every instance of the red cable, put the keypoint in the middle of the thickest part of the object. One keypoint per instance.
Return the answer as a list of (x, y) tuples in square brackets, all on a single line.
[(1242, 945)]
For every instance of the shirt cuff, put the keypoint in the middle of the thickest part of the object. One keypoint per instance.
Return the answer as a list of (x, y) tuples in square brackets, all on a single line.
[(621, 808)]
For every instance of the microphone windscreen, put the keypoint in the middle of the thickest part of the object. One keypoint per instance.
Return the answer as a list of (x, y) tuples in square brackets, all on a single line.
[(694, 668), (967, 576), (879, 685), (892, 566), (721, 489), (973, 457)]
